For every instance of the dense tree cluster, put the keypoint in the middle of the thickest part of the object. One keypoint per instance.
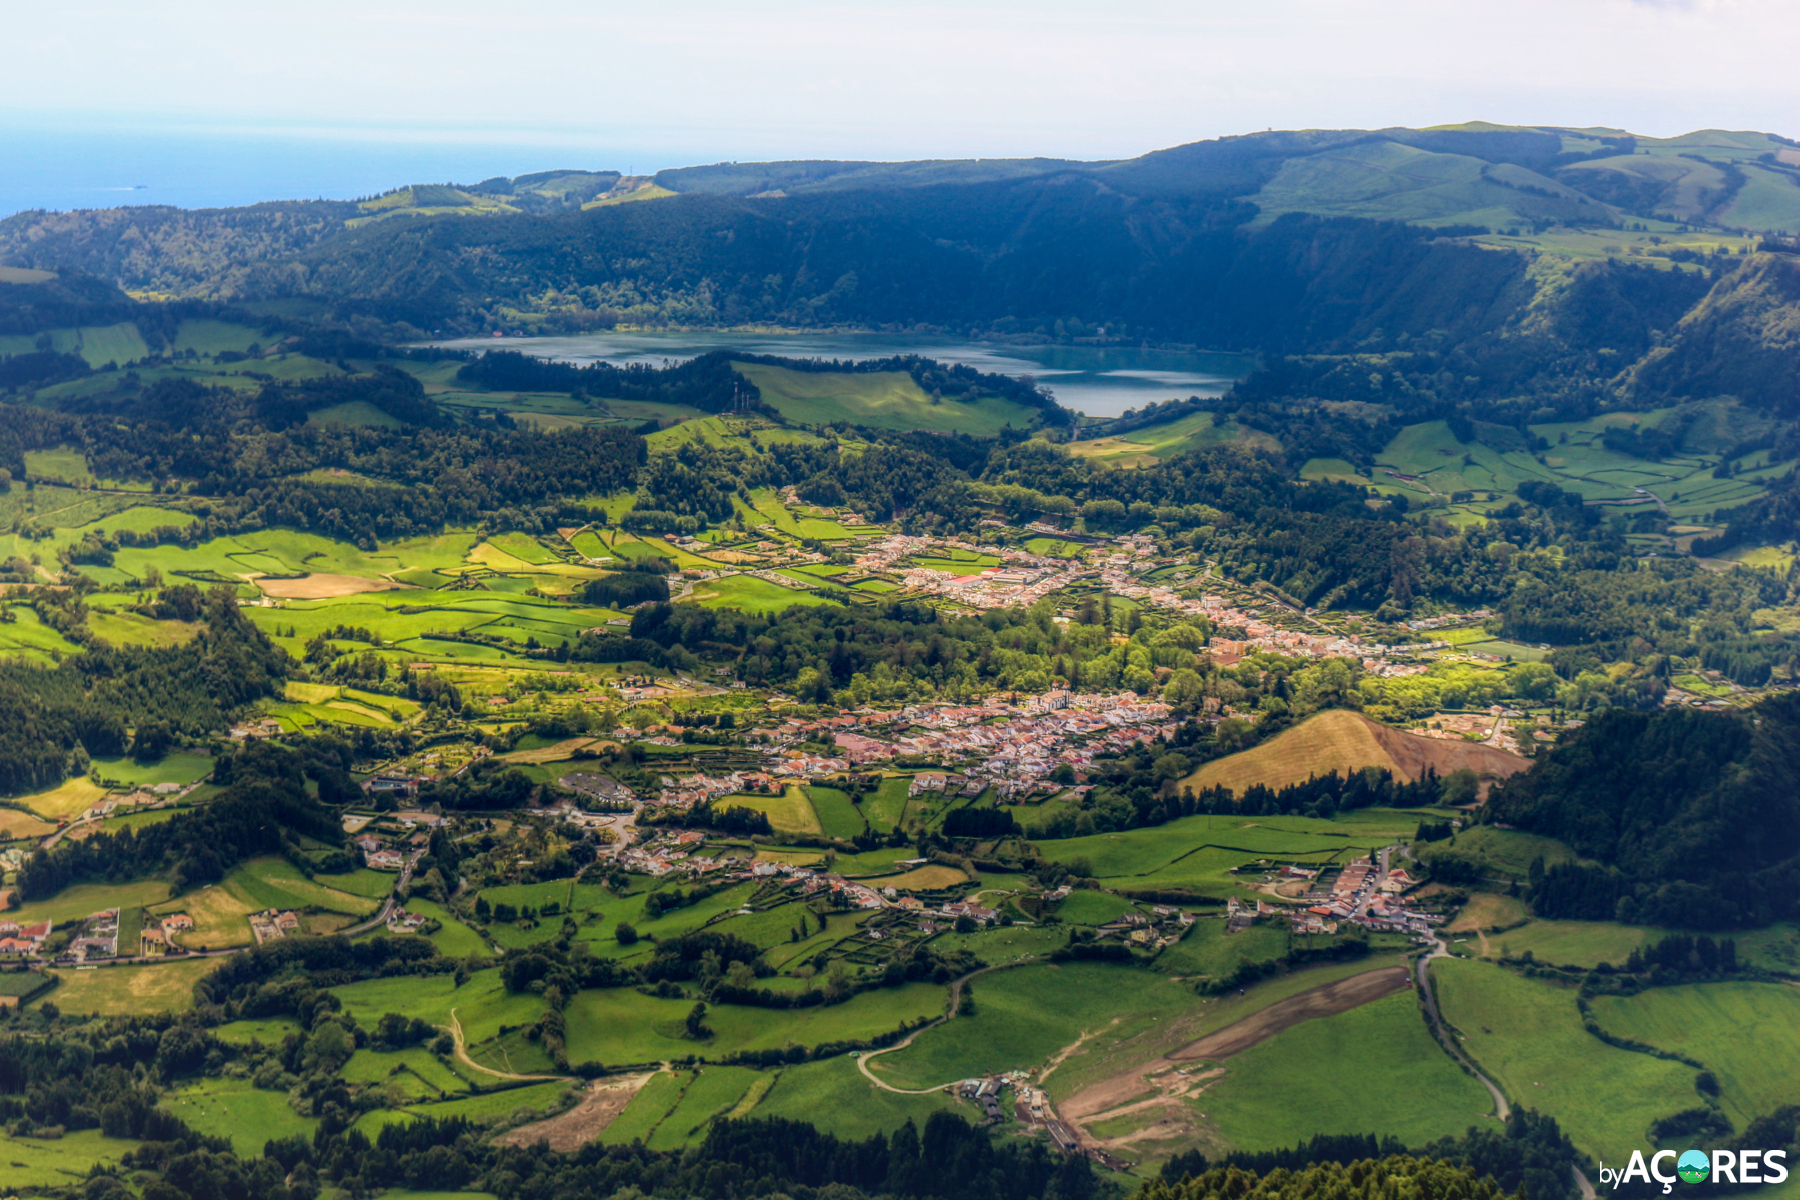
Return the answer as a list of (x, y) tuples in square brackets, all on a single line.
[(264, 805), (1686, 819), (53, 719)]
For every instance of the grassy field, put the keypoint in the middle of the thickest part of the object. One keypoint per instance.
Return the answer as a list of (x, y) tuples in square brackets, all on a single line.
[(834, 1096), (1209, 950), (882, 400), (837, 815), (790, 812), (750, 594), (1315, 1078), (1527, 1035), (1199, 851), (67, 800), (84, 899), (128, 991), (233, 1109), (1575, 943), (621, 1025), (709, 1093), (180, 767), (1748, 1034), (62, 1162), (1147, 446), (1025, 1015), (1510, 852)]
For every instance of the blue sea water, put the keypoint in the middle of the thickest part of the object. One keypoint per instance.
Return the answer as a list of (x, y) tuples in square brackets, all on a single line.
[(62, 167)]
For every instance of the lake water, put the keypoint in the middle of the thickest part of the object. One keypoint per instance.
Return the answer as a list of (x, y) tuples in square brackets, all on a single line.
[(1098, 381)]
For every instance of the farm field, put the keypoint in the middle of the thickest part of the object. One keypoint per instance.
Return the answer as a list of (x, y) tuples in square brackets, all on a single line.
[(621, 1025), (833, 1095), (837, 815), (790, 812), (1748, 1034), (882, 400), (1575, 943), (1314, 1079), (125, 991), (1527, 1035), (84, 899), (62, 1162), (1026, 1014), (1201, 850), (232, 1108)]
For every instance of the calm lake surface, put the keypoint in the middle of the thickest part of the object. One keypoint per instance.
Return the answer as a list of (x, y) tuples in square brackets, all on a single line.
[(1098, 381)]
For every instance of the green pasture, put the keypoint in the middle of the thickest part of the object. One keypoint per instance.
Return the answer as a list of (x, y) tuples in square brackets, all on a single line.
[(1005, 943), (1026, 1014), (209, 337), (57, 1163), (1200, 851), (415, 1073), (1314, 1078), (270, 1031), (790, 812), (833, 1095), (648, 1109), (1510, 851), (1112, 1048), (232, 1108), (488, 1107), (454, 939), (82, 900), (1527, 1035), (182, 767), (1575, 943), (706, 1095), (27, 638), (885, 808), (275, 883), (1748, 1034), (882, 400), (96, 344), (1093, 908), (622, 1025), (752, 595), (1208, 950), (838, 816)]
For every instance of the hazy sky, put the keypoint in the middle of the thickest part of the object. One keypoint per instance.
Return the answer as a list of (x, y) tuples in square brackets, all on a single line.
[(671, 82)]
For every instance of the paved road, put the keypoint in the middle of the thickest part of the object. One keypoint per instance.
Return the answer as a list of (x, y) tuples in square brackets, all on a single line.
[(1439, 950), (387, 906)]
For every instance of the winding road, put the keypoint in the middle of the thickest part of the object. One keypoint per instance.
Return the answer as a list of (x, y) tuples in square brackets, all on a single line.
[(1439, 950), (950, 1007)]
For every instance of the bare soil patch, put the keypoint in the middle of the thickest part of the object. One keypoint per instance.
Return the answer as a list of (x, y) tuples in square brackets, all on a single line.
[(604, 1101), (324, 587)]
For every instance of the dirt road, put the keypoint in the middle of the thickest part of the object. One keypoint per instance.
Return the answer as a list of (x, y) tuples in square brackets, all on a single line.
[(1130, 1088)]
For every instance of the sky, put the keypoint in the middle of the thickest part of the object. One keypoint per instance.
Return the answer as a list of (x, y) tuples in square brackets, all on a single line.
[(199, 102)]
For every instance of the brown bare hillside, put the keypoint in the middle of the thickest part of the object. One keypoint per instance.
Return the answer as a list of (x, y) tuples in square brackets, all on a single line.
[(1343, 741)]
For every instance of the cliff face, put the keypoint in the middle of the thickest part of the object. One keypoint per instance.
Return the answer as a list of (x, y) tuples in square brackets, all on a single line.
[(1742, 339)]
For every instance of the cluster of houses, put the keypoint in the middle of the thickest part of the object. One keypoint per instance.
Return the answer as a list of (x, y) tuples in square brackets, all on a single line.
[(159, 935), (271, 924), (378, 855), (1164, 926), (22, 941), (1016, 745)]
